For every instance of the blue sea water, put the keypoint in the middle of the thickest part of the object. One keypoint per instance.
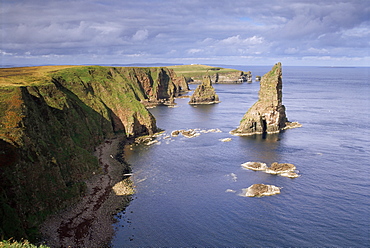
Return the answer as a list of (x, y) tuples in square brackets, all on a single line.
[(188, 190)]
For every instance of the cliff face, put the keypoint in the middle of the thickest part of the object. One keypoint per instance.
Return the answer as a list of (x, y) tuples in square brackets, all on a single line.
[(236, 77), (204, 93), (160, 85), (267, 115), (48, 132)]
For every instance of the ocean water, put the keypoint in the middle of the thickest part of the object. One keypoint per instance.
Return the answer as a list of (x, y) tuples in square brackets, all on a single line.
[(188, 190)]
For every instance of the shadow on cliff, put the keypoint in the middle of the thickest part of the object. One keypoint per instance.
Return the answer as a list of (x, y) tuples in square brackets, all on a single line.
[(115, 121), (46, 172)]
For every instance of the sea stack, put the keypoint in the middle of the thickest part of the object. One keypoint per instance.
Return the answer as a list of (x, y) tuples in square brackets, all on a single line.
[(267, 115), (204, 93)]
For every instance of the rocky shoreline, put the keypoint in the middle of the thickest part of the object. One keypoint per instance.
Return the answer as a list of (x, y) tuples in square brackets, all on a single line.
[(89, 222)]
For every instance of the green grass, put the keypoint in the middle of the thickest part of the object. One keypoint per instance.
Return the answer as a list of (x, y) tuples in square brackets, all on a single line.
[(199, 70), (25, 76), (15, 244)]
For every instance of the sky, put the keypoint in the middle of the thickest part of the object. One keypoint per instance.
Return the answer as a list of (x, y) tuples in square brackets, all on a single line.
[(229, 32)]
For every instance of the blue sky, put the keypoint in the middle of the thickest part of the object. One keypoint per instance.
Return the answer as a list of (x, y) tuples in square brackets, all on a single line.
[(237, 32)]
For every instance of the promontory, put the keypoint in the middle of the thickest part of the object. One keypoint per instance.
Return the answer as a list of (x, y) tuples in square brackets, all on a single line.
[(52, 118)]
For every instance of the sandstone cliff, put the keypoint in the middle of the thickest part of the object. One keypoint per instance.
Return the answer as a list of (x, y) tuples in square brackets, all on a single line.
[(49, 129), (267, 115), (204, 93)]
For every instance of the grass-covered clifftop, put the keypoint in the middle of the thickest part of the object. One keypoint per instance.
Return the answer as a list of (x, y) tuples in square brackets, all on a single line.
[(195, 73), (52, 118)]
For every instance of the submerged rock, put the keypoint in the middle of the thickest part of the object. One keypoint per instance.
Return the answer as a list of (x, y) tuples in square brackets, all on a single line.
[(261, 190), (204, 93), (257, 166), (267, 115)]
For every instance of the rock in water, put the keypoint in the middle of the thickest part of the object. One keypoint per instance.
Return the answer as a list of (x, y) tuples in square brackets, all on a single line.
[(204, 93), (257, 166), (267, 115), (261, 190), (277, 168)]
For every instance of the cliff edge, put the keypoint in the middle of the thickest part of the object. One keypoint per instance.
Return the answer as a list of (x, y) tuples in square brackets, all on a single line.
[(267, 115), (51, 124)]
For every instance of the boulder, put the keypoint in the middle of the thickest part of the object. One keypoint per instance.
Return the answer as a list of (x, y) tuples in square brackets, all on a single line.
[(204, 93), (277, 168), (267, 115), (261, 190)]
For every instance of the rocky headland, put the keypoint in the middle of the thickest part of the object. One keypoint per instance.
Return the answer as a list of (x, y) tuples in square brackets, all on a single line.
[(205, 93), (226, 78), (194, 74), (267, 115), (51, 121)]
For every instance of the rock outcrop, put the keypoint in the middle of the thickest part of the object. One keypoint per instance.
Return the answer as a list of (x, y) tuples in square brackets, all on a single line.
[(204, 93), (50, 128), (282, 169), (257, 166), (237, 77), (258, 190), (267, 115)]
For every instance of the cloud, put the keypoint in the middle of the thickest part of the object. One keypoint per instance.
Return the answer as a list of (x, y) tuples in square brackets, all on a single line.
[(140, 35), (111, 31)]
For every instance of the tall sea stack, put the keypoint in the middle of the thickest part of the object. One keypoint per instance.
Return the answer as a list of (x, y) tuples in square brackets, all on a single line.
[(267, 115), (204, 93)]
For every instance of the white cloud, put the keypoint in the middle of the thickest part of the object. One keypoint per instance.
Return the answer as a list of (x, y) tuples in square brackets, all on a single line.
[(194, 51), (217, 30), (236, 40), (140, 35)]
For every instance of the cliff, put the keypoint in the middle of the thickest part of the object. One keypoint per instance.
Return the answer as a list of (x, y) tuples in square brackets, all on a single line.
[(50, 125), (204, 93), (194, 74), (267, 115), (226, 78)]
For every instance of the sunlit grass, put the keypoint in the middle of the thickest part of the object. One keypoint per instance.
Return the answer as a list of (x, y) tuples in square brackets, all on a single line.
[(15, 244), (25, 76), (197, 70)]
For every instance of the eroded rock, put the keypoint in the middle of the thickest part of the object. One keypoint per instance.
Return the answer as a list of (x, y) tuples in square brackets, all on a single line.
[(257, 166), (267, 115), (282, 169), (277, 168), (258, 190), (204, 93)]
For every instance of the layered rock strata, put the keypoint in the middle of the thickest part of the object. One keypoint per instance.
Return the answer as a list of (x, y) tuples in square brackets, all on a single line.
[(267, 115), (204, 93)]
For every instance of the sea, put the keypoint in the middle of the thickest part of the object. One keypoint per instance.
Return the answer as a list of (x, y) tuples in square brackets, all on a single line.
[(189, 191)]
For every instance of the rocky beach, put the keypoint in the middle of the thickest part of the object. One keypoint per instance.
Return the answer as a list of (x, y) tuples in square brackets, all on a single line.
[(88, 223)]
